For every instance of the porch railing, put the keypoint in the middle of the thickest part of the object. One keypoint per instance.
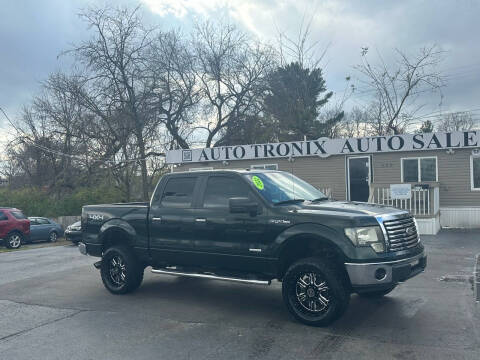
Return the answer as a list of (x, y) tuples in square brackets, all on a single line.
[(423, 202), (327, 191)]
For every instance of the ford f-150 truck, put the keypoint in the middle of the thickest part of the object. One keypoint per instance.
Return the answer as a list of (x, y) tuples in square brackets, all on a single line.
[(254, 226)]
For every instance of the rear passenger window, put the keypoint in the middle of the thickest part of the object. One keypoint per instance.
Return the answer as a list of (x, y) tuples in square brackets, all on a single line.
[(3, 217), (18, 215), (220, 189), (179, 192)]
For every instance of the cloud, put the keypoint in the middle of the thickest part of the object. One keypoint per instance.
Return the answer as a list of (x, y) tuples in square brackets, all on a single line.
[(349, 25), (32, 36)]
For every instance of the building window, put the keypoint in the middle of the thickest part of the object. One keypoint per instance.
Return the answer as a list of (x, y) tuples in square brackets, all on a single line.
[(475, 172), (419, 169), (264, 166)]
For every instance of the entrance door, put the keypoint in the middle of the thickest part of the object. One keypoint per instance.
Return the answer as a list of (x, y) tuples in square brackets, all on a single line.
[(358, 178)]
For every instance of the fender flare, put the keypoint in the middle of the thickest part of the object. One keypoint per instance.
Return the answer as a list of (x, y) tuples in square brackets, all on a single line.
[(321, 232), (117, 225)]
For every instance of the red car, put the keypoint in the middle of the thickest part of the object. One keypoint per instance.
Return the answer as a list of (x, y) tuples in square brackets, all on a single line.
[(14, 227)]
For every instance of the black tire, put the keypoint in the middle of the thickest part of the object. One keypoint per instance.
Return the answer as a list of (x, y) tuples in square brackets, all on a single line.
[(53, 237), (377, 294), (14, 240), (329, 282), (120, 270)]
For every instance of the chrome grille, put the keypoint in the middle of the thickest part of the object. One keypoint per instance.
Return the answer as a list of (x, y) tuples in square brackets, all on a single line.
[(402, 233)]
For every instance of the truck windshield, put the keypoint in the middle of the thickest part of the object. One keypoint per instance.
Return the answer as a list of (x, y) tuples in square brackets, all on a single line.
[(280, 187)]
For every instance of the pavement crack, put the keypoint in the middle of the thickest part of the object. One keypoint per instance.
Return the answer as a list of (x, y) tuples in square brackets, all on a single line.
[(18, 333), (43, 305)]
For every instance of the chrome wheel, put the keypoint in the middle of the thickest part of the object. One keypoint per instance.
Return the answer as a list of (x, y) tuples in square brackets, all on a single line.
[(117, 271), (312, 292), (53, 237), (15, 241)]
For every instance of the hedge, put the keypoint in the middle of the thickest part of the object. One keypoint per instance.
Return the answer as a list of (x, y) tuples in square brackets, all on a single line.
[(38, 202)]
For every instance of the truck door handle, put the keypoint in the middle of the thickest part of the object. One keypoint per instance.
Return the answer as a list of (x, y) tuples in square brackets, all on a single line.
[(201, 220), (156, 219)]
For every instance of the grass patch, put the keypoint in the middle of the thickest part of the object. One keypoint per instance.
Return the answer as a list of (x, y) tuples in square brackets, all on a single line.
[(38, 245)]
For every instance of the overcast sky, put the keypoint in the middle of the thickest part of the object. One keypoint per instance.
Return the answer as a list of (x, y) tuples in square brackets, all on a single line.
[(33, 33)]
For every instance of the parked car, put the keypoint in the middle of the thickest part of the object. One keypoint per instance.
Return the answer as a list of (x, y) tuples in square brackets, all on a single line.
[(252, 227), (44, 229), (14, 227), (74, 232)]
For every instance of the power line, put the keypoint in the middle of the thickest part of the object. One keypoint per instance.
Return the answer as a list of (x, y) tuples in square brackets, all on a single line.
[(59, 153)]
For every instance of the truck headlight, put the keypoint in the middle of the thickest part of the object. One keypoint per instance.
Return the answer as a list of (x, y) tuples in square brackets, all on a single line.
[(367, 236)]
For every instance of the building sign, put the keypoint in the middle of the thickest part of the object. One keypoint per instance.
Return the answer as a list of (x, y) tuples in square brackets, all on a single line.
[(325, 147), (400, 191)]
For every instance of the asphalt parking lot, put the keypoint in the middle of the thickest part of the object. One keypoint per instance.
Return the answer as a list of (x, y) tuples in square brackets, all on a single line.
[(54, 306)]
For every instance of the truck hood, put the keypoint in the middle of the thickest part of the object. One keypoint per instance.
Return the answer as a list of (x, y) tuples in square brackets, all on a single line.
[(347, 207)]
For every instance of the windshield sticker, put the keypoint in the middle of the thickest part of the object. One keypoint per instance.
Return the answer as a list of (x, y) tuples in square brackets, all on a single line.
[(258, 182)]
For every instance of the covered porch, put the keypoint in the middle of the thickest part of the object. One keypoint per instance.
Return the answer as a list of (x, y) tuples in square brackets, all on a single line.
[(423, 203)]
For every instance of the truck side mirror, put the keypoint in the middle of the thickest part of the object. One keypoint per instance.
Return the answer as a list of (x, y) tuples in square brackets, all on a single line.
[(243, 205)]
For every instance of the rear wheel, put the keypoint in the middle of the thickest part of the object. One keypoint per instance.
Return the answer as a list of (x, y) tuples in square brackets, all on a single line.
[(120, 270), (14, 241), (315, 292), (53, 237)]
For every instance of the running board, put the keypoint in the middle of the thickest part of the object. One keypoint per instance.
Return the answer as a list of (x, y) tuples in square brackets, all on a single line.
[(211, 276)]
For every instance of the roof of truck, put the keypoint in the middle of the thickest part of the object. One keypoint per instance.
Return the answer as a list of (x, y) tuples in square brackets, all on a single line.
[(240, 171)]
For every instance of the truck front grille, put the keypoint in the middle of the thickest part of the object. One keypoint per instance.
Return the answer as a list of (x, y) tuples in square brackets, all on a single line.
[(402, 233)]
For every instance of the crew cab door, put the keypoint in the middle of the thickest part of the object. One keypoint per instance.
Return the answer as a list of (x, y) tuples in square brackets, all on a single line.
[(171, 220), (230, 240)]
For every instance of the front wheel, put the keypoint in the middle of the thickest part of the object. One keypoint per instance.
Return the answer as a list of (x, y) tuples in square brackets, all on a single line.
[(120, 270), (14, 241), (53, 237), (315, 292)]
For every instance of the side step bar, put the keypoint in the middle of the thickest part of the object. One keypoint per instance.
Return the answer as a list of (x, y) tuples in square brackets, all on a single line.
[(211, 276)]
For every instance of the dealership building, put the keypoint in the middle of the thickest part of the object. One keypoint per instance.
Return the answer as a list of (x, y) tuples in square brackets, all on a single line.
[(436, 176)]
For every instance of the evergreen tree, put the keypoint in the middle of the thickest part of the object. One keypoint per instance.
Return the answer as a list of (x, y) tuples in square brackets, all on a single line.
[(296, 95)]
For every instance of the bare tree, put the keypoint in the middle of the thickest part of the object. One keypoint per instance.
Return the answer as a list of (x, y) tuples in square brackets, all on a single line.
[(175, 90), (456, 121), (232, 71), (40, 167), (64, 117), (396, 87), (355, 123), (300, 47), (117, 80)]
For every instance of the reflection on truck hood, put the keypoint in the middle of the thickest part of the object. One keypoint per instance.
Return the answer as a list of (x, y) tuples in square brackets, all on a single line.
[(347, 207)]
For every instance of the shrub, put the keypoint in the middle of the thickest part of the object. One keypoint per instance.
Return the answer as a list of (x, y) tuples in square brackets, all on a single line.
[(38, 202)]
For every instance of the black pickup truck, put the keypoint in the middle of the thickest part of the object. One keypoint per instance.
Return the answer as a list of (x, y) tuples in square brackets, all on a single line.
[(253, 227)]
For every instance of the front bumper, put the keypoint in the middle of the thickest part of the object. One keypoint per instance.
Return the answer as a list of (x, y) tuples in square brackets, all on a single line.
[(367, 275), (90, 249)]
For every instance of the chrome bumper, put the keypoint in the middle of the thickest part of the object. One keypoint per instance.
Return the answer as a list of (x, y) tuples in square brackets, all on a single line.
[(384, 273), (82, 248)]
